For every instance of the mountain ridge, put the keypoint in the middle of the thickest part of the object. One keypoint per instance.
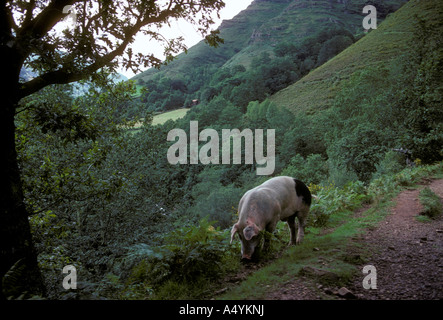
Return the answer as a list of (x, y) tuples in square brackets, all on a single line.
[(234, 40), (265, 23)]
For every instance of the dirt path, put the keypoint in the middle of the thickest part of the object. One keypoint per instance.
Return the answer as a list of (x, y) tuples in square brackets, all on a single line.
[(407, 255)]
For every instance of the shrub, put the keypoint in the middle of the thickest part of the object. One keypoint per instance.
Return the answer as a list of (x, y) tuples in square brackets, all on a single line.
[(432, 206), (392, 163), (313, 169), (190, 255), (219, 205), (359, 151), (332, 200), (381, 187)]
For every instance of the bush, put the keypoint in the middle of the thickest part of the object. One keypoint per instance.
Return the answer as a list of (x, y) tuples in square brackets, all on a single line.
[(312, 170), (432, 206), (382, 187), (332, 200), (392, 163), (214, 200), (339, 174), (359, 151), (332, 47), (190, 255)]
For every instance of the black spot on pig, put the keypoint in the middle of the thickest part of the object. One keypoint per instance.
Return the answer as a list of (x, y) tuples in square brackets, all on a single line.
[(302, 191)]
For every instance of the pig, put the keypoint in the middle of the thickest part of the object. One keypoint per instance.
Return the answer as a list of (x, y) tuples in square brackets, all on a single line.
[(280, 198)]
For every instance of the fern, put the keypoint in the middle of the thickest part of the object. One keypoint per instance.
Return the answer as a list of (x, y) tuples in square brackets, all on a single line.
[(432, 206), (12, 279)]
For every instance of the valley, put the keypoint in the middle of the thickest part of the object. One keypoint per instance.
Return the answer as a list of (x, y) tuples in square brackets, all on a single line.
[(333, 103)]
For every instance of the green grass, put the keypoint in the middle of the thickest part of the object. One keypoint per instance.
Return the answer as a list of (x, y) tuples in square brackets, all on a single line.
[(317, 90), (162, 118), (172, 115), (139, 90)]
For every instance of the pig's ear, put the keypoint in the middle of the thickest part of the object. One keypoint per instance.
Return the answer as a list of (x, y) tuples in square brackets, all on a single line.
[(251, 231), (234, 231)]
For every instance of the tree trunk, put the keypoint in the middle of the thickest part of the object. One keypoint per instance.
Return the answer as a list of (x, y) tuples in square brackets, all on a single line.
[(16, 246)]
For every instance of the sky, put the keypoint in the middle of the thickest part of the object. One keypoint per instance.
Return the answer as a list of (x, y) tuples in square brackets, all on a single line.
[(186, 30)]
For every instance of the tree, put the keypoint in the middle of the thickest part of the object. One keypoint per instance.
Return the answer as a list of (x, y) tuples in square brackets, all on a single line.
[(360, 150), (422, 92), (101, 39), (332, 47)]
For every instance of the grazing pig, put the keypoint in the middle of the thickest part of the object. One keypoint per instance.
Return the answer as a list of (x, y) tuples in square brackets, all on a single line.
[(280, 198)]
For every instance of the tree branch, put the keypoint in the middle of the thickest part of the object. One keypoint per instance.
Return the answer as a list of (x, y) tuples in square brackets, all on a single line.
[(45, 21), (61, 76), (5, 31), (66, 74)]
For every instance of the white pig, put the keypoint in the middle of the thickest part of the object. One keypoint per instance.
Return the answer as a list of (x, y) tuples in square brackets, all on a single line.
[(280, 198)]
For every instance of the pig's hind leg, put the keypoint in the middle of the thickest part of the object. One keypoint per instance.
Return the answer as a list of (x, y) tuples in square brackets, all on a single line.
[(301, 216)]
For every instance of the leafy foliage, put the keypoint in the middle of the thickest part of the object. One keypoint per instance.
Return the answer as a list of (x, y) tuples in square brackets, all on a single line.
[(312, 170), (332, 200), (189, 255), (11, 280), (391, 111), (431, 202)]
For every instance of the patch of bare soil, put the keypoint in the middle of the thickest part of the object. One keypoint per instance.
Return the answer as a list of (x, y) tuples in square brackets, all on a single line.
[(297, 289), (407, 255)]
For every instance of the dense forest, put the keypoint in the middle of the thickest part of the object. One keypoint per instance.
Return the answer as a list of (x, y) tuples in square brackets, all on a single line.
[(105, 199)]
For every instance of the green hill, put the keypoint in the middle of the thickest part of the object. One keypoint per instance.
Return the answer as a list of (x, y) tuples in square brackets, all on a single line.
[(302, 19), (260, 28), (236, 34), (316, 90)]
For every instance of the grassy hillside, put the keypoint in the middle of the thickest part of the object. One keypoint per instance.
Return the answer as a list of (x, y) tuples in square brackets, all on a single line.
[(172, 115), (162, 118), (317, 90), (302, 19), (264, 24), (235, 32), (275, 41)]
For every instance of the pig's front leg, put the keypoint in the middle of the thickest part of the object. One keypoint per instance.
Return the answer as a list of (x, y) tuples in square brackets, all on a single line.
[(270, 227)]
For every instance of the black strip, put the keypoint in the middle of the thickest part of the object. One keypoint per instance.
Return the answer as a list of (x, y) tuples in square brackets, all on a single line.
[(302, 191)]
